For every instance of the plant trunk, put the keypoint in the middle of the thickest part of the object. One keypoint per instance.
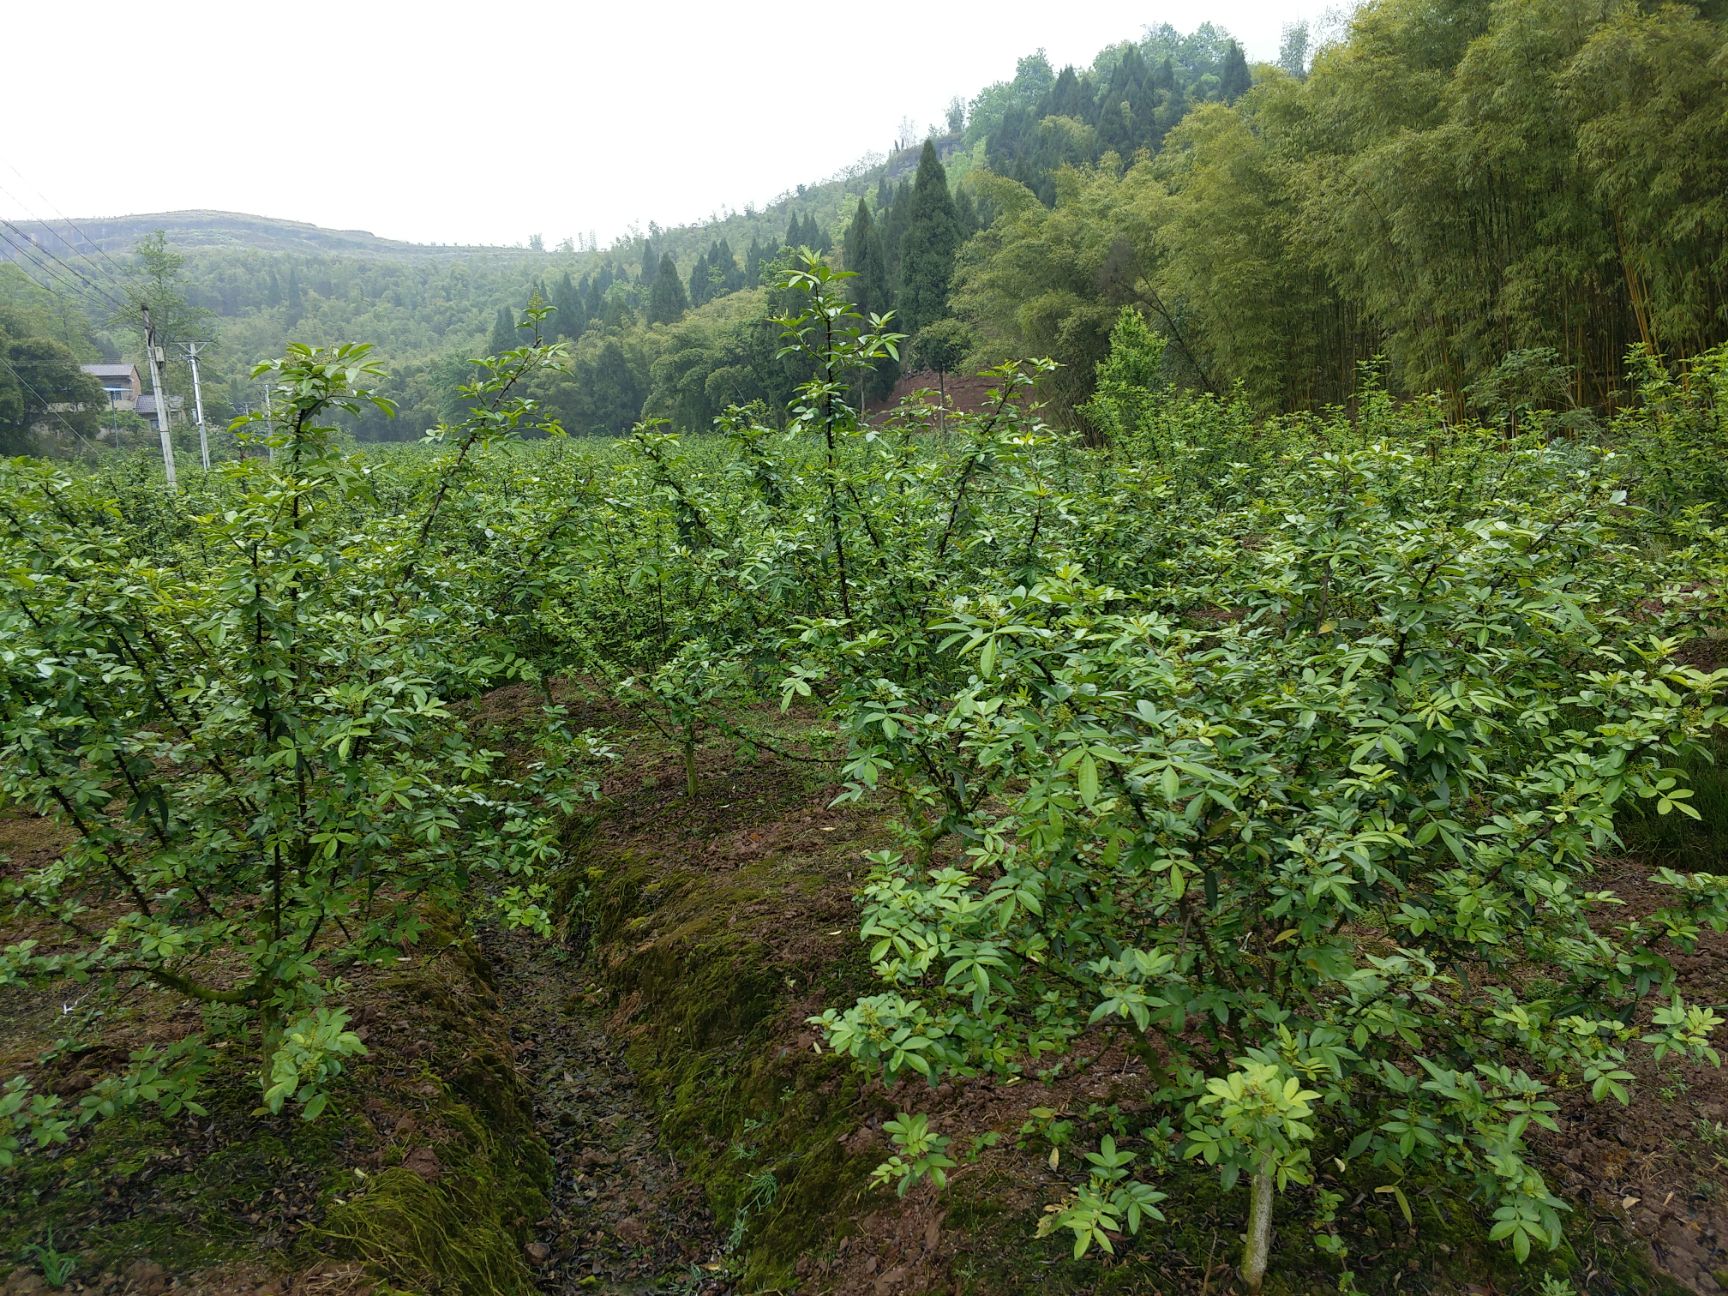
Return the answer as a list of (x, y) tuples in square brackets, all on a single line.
[(690, 759), (1257, 1246)]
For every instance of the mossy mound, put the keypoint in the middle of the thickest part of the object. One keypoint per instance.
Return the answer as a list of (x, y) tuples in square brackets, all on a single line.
[(425, 1167), (471, 1174), (760, 1122)]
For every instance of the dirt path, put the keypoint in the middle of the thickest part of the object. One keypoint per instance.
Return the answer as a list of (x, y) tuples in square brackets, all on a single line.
[(624, 1221)]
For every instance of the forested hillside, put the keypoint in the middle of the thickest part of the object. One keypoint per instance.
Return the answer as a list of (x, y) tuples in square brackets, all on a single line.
[(697, 344), (1498, 200), (1492, 201)]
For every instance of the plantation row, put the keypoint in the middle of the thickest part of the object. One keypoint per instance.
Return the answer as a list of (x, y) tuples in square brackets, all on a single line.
[(1275, 755)]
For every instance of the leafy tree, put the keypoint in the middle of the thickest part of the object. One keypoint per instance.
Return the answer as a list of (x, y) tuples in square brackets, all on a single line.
[(1130, 382), (1293, 49), (1323, 867), (1052, 281), (40, 382), (942, 346)]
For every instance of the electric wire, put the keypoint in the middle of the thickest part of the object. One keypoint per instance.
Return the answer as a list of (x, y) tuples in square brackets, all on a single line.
[(75, 273), (115, 280), (121, 274), (29, 259), (43, 400)]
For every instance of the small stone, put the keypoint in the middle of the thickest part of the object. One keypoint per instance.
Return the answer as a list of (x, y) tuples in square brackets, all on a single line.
[(538, 1253), (146, 1277)]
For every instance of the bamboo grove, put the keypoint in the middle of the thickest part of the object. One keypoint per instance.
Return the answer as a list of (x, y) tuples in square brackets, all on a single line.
[(1499, 199)]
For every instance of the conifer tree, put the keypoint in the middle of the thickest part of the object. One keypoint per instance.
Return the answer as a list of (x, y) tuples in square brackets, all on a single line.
[(666, 300), (701, 286), (567, 301), (503, 333), (722, 259), (864, 258), (1233, 78), (928, 247), (1067, 98), (891, 222)]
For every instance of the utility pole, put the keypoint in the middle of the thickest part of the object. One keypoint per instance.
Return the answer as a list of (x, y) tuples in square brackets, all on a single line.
[(198, 404), (154, 354), (269, 425)]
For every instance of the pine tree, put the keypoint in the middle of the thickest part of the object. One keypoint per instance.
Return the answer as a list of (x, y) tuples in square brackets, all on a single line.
[(967, 211), (1067, 98), (928, 247), (701, 286), (568, 303), (503, 333), (863, 248), (722, 259), (892, 221), (1233, 78), (666, 300)]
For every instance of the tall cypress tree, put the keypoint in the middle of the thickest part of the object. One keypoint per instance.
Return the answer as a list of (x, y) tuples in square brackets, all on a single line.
[(722, 259), (893, 226), (503, 332), (701, 286), (1233, 78), (864, 258), (568, 303), (927, 249), (666, 299)]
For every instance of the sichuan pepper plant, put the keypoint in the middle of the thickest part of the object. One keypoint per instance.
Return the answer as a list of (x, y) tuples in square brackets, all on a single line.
[(1309, 822), (254, 752)]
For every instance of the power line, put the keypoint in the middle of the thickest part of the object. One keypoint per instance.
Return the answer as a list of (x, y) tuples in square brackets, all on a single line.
[(26, 261), (45, 403), (75, 273), (115, 281), (120, 273), (32, 257)]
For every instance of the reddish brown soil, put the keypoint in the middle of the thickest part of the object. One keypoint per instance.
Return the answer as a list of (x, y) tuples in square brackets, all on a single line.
[(966, 394), (1660, 1164)]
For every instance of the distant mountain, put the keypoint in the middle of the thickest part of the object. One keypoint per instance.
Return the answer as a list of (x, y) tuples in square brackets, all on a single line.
[(189, 230)]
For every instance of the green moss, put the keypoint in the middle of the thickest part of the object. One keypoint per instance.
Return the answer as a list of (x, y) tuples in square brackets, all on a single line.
[(461, 1230), (137, 1186), (141, 1187), (760, 1126)]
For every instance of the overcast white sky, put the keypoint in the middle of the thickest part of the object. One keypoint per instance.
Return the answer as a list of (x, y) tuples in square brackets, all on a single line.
[(486, 123)]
